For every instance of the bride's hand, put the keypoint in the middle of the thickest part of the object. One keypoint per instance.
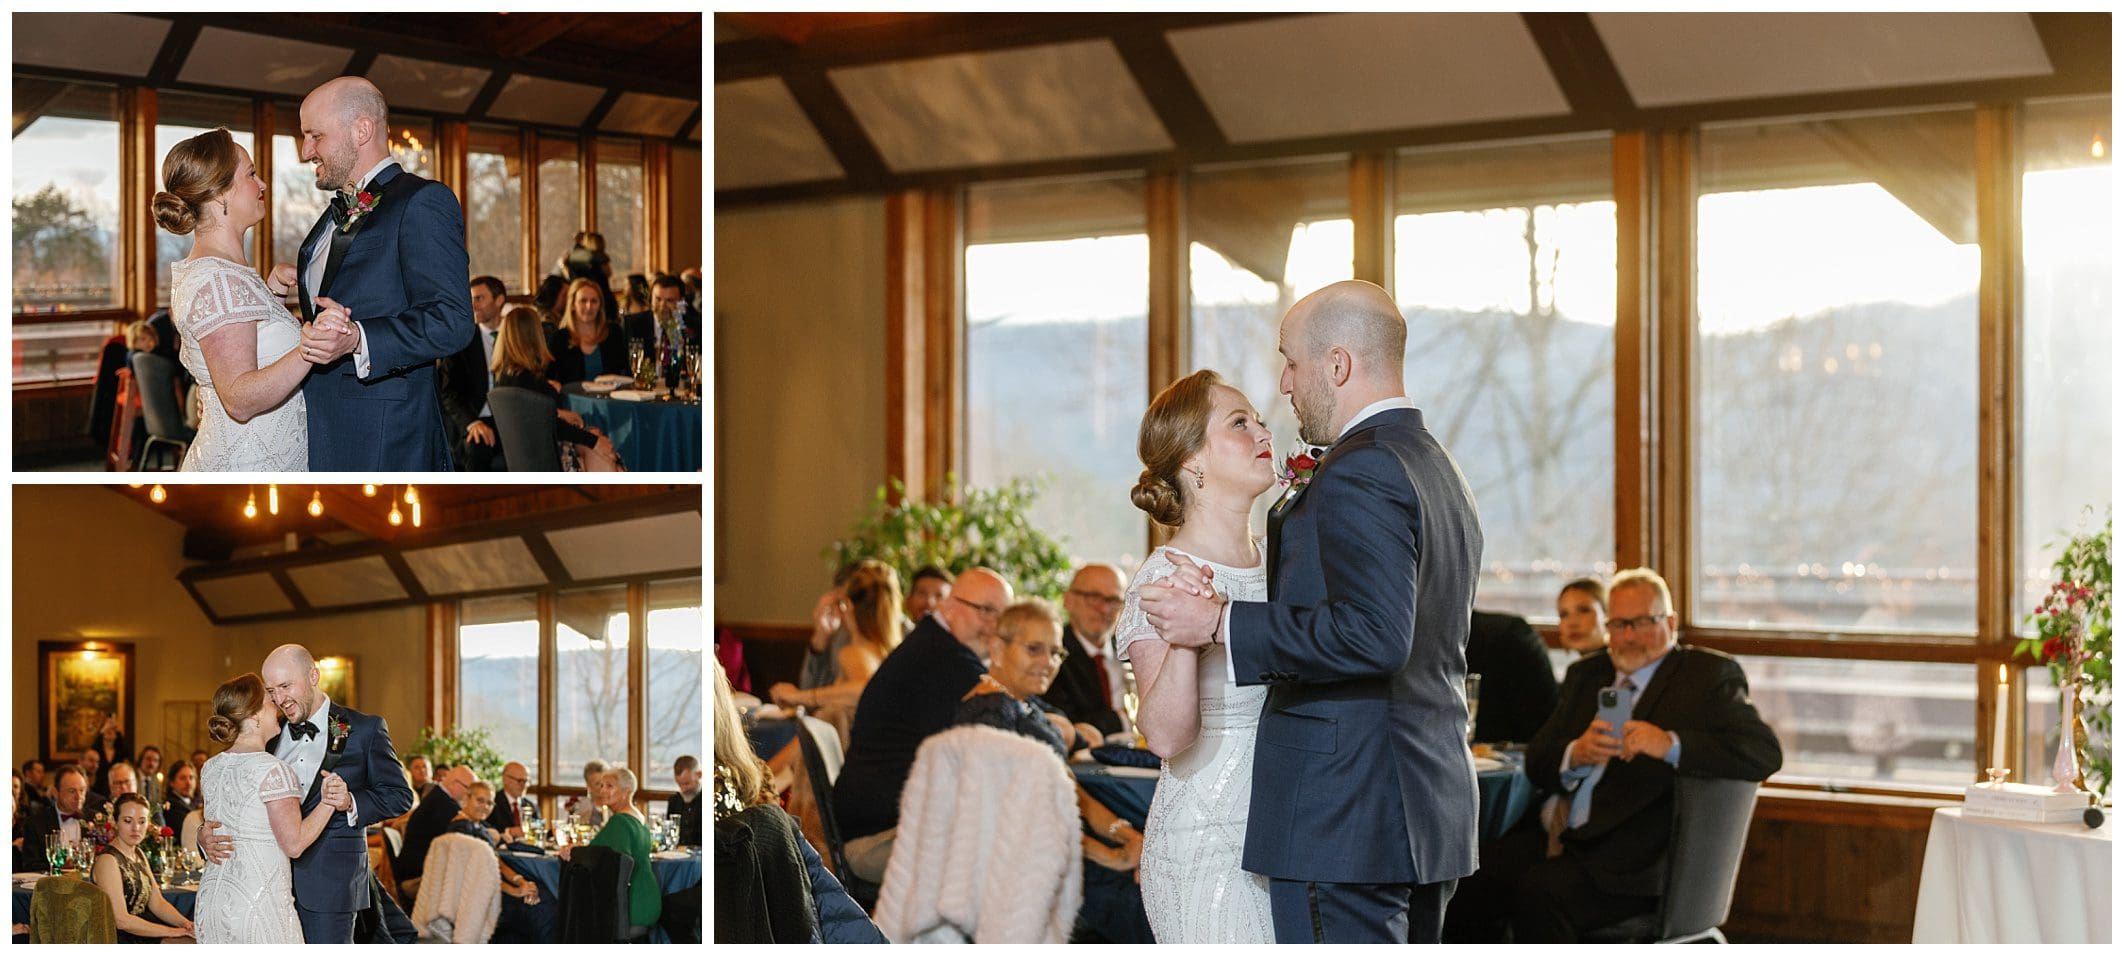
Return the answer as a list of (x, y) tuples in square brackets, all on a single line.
[(282, 280)]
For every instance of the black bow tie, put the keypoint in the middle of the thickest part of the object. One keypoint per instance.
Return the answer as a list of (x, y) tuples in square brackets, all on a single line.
[(67, 816), (303, 731)]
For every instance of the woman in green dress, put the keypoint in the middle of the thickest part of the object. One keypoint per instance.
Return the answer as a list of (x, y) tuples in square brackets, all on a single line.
[(628, 833)]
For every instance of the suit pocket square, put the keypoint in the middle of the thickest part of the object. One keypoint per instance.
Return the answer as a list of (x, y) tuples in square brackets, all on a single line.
[(1299, 732)]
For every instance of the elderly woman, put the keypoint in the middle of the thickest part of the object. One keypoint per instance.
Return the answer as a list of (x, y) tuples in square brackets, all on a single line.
[(122, 872), (628, 833), (1023, 656), (516, 922)]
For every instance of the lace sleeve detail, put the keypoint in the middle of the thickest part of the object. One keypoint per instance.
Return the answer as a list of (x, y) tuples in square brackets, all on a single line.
[(278, 782), (228, 296), (1134, 624)]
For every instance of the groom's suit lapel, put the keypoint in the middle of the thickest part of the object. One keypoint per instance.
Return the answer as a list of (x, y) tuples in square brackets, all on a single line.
[(383, 186), (302, 266)]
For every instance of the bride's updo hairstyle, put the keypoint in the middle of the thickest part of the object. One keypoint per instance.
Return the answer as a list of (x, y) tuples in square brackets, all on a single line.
[(195, 171), (235, 702), (1175, 427)]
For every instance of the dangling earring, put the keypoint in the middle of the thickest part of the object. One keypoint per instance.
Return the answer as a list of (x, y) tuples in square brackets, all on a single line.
[(224, 207), (1198, 481)]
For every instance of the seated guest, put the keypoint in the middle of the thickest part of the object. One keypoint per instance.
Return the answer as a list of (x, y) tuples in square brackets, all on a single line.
[(1022, 660), (124, 779), (873, 619), (36, 786), (462, 380), (92, 764), (586, 345), (692, 278), (927, 589), (199, 759), (627, 831), (1518, 689), (1088, 687), (631, 295), (512, 806), (665, 304), (548, 298), (1582, 616), (420, 775), (72, 807), (431, 819), (521, 360), (1690, 714), (181, 793), (583, 807), (472, 822), (150, 770), (830, 632), (19, 809), (122, 872), (914, 694), (685, 805), (140, 338), (752, 832)]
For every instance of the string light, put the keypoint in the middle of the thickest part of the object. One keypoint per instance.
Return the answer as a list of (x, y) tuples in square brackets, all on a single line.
[(250, 506), (416, 514), (396, 518), (412, 497), (316, 504), (369, 490), (273, 499), (2098, 149), (157, 494)]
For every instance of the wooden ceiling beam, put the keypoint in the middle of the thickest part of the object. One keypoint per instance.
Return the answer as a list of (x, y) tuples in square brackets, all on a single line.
[(358, 512), (522, 34), (1172, 94), (944, 35), (862, 165), (1584, 70)]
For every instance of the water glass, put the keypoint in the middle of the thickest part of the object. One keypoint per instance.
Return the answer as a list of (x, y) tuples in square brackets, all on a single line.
[(1474, 688)]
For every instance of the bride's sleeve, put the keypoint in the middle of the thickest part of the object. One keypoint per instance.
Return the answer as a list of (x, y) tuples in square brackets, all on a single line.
[(1134, 625), (227, 297), (278, 782)]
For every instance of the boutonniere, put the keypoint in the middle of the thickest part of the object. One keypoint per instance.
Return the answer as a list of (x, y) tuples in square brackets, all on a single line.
[(336, 739), (1298, 470), (364, 203)]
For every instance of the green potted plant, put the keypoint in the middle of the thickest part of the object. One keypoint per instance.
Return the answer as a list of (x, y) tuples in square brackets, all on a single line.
[(462, 747), (2072, 637), (973, 527)]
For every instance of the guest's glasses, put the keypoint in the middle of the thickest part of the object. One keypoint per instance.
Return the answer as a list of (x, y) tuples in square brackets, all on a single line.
[(986, 611), (1108, 601), (1056, 653), (1623, 625)]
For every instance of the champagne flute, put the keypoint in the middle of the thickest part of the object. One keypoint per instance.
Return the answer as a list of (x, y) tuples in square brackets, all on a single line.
[(55, 851)]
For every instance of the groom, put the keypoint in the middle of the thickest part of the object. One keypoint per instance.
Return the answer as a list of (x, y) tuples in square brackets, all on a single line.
[(317, 737), (1364, 799), (391, 249)]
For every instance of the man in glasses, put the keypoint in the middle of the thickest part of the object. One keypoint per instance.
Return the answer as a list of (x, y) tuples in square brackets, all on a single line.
[(914, 694), (1088, 686), (1687, 711)]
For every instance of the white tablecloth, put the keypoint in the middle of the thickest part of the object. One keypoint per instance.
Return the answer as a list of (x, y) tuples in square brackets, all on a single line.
[(1991, 881)]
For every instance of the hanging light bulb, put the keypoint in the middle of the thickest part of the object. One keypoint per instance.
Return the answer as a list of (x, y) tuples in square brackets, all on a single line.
[(273, 499), (158, 495), (416, 514), (2099, 149), (412, 497), (133, 484), (316, 504), (250, 505), (369, 490), (396, 518)]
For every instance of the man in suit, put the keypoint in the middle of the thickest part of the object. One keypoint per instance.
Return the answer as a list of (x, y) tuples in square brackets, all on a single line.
[(432, 819), (1518, 687), (418, 775), (685, 806), (35, 788), (1689, 714), (390, 251), (1088, 685), (667, 296), (927, 589), (317, 736), (72, 805), (914, 694), (1364, 799), (513, 806), (462, 380)]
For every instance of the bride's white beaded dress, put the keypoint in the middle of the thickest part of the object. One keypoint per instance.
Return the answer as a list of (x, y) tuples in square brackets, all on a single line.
[(207, 294)]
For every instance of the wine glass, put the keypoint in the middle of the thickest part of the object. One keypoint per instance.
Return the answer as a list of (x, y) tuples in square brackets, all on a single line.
[(1474, 687), (56, 851)]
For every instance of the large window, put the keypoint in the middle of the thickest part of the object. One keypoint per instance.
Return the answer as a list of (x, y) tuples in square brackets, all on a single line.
[(66, 256), (619, 207), (494, 222), (675, 628), (413, 144), (1834, 415), (1848, 722), (591, 707), (1260, 237), (181, 116), (560, 207), (2068, 312), (297, 202), (497, 644), (1057, 288), (1504, 266)]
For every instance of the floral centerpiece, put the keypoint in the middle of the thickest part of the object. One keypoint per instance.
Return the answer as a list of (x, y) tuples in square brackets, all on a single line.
[(2072, 637)]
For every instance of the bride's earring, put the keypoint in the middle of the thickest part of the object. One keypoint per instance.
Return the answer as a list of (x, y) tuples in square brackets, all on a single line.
[(224, 207), (1198, 481)]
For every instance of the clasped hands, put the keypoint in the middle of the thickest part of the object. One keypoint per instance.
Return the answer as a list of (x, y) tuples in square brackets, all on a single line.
[(330, 336), (1599, 744), (1183, 608), (219, 847)]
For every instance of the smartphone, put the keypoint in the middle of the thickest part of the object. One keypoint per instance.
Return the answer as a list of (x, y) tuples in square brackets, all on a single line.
[(1614, 708)]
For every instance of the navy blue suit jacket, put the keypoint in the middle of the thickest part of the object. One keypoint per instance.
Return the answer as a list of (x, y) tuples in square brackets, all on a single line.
[(404, 276), (1361, 772), (332, 874)]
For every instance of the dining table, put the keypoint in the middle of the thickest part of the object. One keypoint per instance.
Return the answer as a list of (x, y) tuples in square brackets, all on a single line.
[(651, 432), (675, 870), (180, 896)]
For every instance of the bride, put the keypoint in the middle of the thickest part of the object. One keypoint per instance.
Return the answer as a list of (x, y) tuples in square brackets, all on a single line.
[(250, 898), (1206, 458), (239, 340)]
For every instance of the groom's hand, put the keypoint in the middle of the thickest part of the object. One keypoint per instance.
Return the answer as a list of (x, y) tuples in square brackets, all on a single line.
[(216, 847), (332, 336), (1182, 619)]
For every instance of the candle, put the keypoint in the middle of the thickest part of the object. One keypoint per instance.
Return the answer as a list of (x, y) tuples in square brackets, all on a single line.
[(1998, 727)]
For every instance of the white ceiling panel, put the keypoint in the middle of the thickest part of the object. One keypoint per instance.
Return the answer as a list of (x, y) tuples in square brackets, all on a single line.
[(536, 99), (1061, 101), (647, 114), (426, 84), (252, 61), (1670, 58), (1336, 74), (487, 565), (339, 583), (762, 138), (243, 595), (102, 42), (636, 546)]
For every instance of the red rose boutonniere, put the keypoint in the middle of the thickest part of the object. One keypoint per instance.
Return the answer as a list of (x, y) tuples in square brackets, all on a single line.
[(336, 741), (1298, 470), (364, 203)]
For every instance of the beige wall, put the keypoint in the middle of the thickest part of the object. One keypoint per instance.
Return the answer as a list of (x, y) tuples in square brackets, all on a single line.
[(90, 565), (800, 394)]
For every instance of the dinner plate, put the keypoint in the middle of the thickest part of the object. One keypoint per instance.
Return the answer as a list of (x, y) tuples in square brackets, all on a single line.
[(1488, 764), (600, 388)]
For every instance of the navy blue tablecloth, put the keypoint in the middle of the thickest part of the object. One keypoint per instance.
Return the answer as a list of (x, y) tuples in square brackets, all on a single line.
[(1507, 794), (650, 436), (672, 875), (180, 898), (770, 735)]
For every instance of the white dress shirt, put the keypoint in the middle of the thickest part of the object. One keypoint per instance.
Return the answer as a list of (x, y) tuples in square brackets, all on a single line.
[(306, 756), (320, 250), (1224, 622)]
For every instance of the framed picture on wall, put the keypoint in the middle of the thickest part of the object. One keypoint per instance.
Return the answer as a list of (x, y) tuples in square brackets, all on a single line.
[(81, 685), (335, 676)]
